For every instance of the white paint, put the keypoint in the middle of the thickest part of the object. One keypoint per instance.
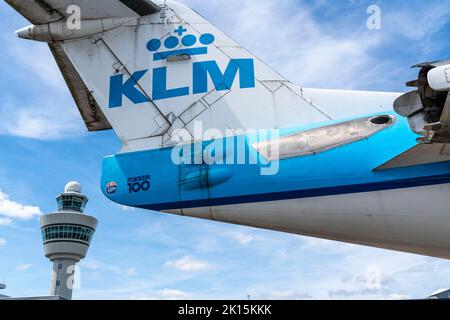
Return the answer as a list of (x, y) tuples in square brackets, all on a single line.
[(415, 220), (439, 78)]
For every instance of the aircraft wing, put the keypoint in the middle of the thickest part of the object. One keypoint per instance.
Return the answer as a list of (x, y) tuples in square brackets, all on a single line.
[(418, 155), (47, 11)]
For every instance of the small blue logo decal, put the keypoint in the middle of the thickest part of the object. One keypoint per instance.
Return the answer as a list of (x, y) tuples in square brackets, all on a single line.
[(111, 187)]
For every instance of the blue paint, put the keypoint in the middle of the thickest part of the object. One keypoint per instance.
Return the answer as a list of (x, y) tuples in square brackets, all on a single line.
[(223, 81), (194, 177), (171, 42), (202, 72), (207, 39), (180, 30), (189, 40), (118, 89), (160, 90), (154, 45)]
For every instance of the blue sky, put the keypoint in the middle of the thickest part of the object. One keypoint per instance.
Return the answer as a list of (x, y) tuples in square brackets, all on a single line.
[(145, 255)]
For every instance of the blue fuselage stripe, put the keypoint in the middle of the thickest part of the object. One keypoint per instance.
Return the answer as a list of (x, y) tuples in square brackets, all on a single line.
[(298, 194)]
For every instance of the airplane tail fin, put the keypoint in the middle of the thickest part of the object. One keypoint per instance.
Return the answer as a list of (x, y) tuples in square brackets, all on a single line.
[(148, 69)]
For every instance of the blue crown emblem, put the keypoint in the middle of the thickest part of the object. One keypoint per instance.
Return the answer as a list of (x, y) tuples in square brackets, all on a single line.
[(172, 42)]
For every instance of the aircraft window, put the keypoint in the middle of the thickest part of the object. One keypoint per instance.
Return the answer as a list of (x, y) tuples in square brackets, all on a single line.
[(322, 139)]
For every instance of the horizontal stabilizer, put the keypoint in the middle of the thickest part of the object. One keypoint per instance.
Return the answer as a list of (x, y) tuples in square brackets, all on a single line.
[(47, 11), (419, 155), (141, 7)]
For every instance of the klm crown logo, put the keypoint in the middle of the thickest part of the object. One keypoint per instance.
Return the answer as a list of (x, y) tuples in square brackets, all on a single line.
[(201, 71), (172, 42)]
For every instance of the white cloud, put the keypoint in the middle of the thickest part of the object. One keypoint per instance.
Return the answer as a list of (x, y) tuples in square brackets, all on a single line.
[(165, 294), (307, 52), (39, 63), (188, 264), (131, 272), (89, 265), (47, 122), (313, 44), (243, 238), (367, 273), (372, 277), (23, 267), (43, 108), (126, 208), (170, 294), (326, 246), (14, 210), (2, 242), (5, 221), (398, 296), (94, 265), (417, 24), (287, 295)]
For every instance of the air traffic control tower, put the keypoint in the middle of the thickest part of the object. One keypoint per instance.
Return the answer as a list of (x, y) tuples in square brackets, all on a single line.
[(67, 235)]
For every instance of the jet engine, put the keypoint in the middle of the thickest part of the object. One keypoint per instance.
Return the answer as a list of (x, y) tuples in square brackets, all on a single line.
[(428, 107)]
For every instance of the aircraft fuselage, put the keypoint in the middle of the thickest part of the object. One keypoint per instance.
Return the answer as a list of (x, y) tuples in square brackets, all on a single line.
[(331, 193)]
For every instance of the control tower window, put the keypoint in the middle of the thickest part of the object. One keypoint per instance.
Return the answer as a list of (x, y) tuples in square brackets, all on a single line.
[(66, 232)]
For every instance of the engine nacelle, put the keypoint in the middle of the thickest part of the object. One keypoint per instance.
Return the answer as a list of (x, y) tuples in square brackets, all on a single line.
[(425, 107), (439, 78)]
